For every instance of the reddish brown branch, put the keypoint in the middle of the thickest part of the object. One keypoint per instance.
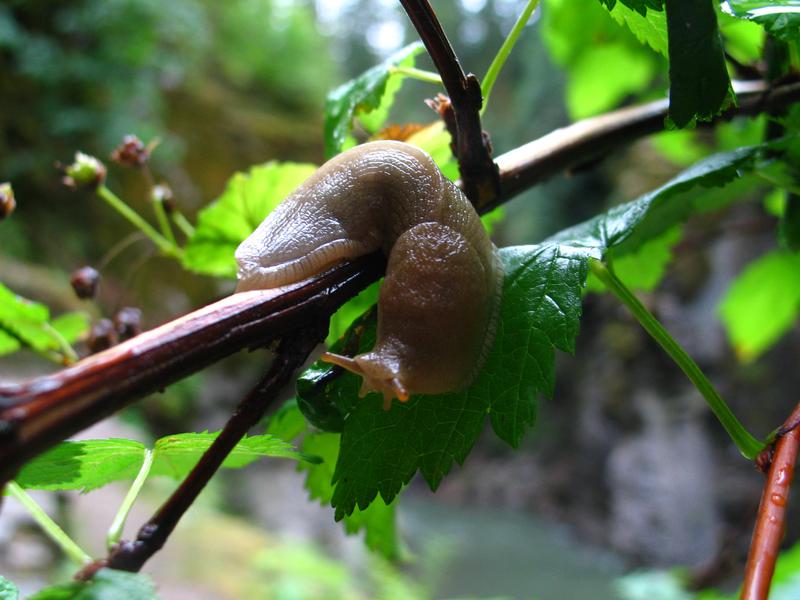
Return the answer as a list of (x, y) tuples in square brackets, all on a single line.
[(471, 146), (771, 520), (38, 413)]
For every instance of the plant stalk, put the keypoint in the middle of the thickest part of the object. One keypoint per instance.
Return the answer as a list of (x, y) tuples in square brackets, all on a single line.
[(748, 445), (118, 525), (74, 552)]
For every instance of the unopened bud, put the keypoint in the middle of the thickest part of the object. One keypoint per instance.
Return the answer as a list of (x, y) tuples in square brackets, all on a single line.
[(131, 152), (101, 336), (86, 171), (7, 202), (84, 281), (128, 323), (163, 193)]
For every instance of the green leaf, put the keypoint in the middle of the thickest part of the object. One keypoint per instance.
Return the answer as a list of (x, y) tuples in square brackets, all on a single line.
[(640, 6), (699, 83), (83, 465), (762, 303), (8, 343), (25, 320), (107, 584), (370, 91), (381, 450), (246, 201), (90, 464), (350, 311), (287, 423), (780, 18), (176, 455), (378, 521), (71, 326), (650, 29), (744, 40), (594, 88), (8, 591)]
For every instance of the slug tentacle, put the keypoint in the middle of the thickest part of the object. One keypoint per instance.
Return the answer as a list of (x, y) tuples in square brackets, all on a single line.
[(439, 303)]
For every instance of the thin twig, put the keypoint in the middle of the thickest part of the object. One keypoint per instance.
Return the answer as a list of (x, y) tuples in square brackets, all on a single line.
[(471, 146), (771, 520), (291, 353)]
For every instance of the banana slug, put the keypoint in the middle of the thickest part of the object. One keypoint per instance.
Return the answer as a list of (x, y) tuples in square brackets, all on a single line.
[(439, 302)]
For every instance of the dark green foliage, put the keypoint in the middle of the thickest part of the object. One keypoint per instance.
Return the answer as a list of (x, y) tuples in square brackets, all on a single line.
[(368, 92), (699, 84), (790, 223), (107, 584), (780, 18), (639, 6)]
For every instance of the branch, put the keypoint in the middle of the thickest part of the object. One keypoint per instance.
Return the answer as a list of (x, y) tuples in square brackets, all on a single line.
[(37, 414), (471, 146), (771, 520), (291, 353)]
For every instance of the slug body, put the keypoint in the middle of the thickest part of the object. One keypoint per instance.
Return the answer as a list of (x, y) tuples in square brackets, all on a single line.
[(439, 303)]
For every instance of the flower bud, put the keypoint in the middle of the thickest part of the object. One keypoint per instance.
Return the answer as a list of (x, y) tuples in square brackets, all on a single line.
[(102, 336), (128, 323), (163, 193), (85, 172), (131, 152), (7, 202), (84, 281)]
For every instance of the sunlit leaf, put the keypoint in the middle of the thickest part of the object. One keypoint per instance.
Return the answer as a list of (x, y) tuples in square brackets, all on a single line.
[(762, 303), (246, 201)]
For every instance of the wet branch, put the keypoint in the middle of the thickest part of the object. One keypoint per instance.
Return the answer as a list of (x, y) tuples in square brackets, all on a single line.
[(771, 519)]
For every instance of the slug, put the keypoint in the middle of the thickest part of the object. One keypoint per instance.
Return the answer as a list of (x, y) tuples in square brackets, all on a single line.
[(439, 302)]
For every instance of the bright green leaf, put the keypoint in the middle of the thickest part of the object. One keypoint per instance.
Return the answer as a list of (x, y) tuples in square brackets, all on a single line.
[(378, 521), (176, 455), (595, 86), (699, 84), (362, 95), (71, 326), (246, 201), (8, 591), (107, 584), (640, 6), (780, 18), (26, 320), (650, 29), (744, 40), (762, 303), (350, 310), (8, 343), (83, 465), (90, 464)]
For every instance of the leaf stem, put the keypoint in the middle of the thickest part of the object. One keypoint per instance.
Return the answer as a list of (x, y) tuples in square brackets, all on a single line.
[(50, 527), (163, 222), (137, 221), (505, 51), (748, 445), (68, 355), (115, 531), (182, 223), (418, 74)]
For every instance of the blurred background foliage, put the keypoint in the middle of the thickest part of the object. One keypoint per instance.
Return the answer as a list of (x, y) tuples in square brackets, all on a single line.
[(227, 85)]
